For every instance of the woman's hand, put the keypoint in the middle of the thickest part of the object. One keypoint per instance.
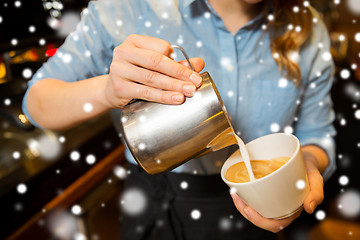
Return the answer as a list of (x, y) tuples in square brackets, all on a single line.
[(312, 200), (142, 69)]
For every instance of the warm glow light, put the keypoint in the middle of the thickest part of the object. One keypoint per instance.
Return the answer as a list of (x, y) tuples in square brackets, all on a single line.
[(22, 118)]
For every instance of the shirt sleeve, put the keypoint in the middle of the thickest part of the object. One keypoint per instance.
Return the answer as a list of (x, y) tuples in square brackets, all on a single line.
[(86, 52), (316, 114)]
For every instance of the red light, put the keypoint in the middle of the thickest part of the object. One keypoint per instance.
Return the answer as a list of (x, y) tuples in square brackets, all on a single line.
[(50, 52)]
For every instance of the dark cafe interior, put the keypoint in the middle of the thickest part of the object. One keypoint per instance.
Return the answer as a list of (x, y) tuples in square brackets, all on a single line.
[(53, 180)]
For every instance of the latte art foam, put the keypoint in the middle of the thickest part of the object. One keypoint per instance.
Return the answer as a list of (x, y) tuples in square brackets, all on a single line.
[(238, 173)]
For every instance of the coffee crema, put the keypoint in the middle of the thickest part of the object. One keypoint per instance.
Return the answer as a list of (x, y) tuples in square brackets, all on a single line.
[(238, 172)]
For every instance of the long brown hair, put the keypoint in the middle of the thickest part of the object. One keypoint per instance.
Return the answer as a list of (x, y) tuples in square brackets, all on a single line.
[(290, 28)]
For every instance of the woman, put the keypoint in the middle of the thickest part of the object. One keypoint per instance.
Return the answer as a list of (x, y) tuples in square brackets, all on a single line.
[(270, 61)]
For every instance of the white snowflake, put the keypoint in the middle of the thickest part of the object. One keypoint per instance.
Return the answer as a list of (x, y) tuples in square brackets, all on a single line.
[(341, 37), (184, 185), (85, 11), (357, 37), (165, 15), (300, 184), (42, 41), (47, 146), (357, 114), (343, 122), (283, 83), (230, 93), (198, 44), (345, 74), (142, 118), (141, 146), (16, 155), (27, 73), (294, 56), (350, 202), (17, 4), (119, 23), (195, 214), (88, 107), (90, 159), (7, 101), (120, 172), (79, 236), (337, 2), (76, 209), (296, 9), (62, 139), (74, 156), (147, 24), (326, 56), (66, 58), (14, 42), (32, 28), (133, 201), (124, 119), (207, 15), (21, 188), (320, 215), (288, 130), (344, 180), (274, 127), (225, 224), (270, 17), (87, 53), (75, 37), (180, 40)]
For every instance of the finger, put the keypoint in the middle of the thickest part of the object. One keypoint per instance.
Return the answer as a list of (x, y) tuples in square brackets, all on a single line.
[(316, 184), (158, 62), (197, 63), (267, 223), (157, 80), (239, 204), (260, 221), (151, 43), (139, 91)]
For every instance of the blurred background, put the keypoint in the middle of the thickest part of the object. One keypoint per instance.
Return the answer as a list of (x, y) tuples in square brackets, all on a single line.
[(67, 184)]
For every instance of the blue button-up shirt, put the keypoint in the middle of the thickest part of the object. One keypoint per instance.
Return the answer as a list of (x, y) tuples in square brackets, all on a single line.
[(258, 98)]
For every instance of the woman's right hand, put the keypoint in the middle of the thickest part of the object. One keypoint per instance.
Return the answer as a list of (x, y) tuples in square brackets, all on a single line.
[(142, 69)]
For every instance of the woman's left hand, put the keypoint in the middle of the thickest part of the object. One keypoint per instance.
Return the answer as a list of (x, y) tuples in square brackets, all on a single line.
[(313, 199)]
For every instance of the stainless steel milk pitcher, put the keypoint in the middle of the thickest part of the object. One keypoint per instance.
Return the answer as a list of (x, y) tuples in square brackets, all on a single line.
[(162, 137)]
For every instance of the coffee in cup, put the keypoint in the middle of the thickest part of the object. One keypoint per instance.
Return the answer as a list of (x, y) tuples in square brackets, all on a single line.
[(238, 173)]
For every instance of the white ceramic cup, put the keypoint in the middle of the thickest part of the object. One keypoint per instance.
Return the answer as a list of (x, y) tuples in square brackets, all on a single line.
[(281, 193)]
